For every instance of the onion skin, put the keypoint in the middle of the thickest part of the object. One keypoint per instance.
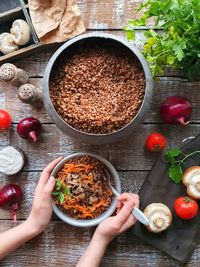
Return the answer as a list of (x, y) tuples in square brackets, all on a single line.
[(13, 195), (176, 110), (29, 128)]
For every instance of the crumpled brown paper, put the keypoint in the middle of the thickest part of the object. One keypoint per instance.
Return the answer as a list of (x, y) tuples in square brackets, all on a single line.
[(55, 20)]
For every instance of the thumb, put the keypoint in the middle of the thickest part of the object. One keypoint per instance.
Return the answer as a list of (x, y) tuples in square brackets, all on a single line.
[(49, 186)]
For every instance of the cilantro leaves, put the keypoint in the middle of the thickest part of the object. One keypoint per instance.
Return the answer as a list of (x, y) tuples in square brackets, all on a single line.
[(178, 45), (176, 160), (60, 191)]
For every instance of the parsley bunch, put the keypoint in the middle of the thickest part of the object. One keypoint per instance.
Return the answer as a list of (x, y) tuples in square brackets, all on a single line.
[(176, 162), (178, 45)]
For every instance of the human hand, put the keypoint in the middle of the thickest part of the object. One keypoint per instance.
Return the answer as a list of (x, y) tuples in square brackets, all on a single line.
[(114, 225), (41, 212)]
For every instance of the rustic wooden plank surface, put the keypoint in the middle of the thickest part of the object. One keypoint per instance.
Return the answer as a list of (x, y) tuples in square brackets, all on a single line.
[(49, 250), (106, 14), (61, 243), (128, 154)]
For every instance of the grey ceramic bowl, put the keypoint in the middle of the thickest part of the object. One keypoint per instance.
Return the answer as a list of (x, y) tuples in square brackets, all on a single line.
[(88, 137), (88, 223)]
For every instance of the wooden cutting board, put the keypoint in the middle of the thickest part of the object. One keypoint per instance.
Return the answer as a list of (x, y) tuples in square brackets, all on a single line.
[(181, 238)]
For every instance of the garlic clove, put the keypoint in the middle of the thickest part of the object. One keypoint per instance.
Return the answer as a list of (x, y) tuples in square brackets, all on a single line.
[(21, 32), (7, 44)]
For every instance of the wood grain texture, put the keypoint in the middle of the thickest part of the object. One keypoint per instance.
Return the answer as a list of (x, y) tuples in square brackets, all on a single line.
[(131, 181), (107, 14), (128, 154), (50, 250)]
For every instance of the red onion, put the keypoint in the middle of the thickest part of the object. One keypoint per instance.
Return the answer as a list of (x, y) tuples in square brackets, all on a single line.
[(11, 194), (176, 109), (29, 128)]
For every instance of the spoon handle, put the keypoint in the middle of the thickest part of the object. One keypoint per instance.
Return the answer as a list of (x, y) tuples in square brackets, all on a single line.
[(137, 213)]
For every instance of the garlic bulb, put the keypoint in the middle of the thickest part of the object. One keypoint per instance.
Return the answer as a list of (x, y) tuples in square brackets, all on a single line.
[(191, 179), (20, 31), (7, 44), (159, 216)]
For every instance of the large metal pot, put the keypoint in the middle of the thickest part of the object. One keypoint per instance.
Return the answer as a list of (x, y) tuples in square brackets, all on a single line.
[(88, 137)]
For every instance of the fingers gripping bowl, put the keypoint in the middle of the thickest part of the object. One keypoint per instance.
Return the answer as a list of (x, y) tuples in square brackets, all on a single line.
[(81, 198)]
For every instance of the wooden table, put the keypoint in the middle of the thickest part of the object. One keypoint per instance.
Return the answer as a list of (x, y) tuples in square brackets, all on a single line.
[(61, 244)]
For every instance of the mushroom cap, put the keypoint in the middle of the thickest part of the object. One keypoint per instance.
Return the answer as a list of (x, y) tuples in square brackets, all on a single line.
[(191, 179), (7, 44), (159, 216), (20, 31)]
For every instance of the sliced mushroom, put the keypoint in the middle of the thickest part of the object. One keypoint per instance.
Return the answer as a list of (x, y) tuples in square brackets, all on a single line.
[(7, 44), (74, 176), (82, 196), (93, 199), (159, 216), (191, 179), (78, 189), (20, 31)]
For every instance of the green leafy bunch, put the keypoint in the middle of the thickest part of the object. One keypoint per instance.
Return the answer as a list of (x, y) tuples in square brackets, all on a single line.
[(176, 162), (60, 191), (178, 44)]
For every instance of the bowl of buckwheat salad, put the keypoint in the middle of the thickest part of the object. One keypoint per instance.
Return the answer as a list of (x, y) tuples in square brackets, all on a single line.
[(97, 88)]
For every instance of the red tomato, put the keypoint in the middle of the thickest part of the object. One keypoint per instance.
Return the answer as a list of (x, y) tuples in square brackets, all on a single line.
[(155, 142), (186, 207), (5, 119)]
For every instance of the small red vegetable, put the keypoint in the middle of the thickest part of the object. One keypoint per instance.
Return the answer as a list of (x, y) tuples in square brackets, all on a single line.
[(176, 109), (185, 207), (13, 195), (29, 128), (5, 119), (155, 142)]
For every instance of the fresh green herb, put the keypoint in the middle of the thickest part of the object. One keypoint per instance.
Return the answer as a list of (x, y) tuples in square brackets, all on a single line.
[(61, 198), (178, 45), (176, 161), (66, 191), (58, 185), (60, 192), (55, 193)]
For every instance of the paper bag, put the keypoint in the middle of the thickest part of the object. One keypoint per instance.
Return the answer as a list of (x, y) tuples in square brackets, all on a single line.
[(55, 20)]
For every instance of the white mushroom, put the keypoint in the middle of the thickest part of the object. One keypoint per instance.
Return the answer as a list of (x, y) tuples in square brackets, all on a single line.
[(7, 44), (159, 216), (20, 31), (191, 179)]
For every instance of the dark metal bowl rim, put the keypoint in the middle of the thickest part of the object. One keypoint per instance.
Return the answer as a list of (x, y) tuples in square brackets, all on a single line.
[(136, 52)]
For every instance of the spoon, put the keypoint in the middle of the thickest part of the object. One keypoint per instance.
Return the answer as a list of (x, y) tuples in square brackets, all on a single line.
[(137, 213)]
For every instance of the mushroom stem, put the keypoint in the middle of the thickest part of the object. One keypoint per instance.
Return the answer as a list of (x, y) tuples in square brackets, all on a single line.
[(159, 222)]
